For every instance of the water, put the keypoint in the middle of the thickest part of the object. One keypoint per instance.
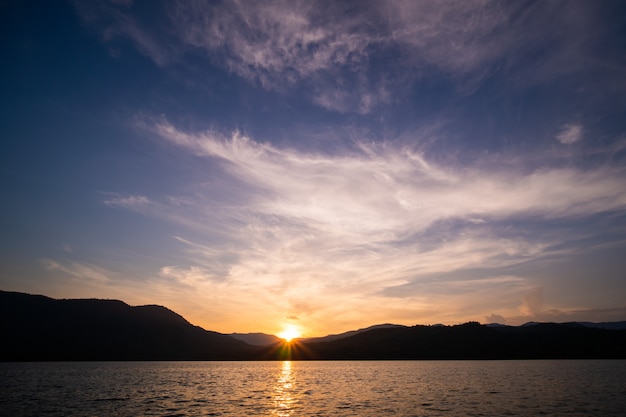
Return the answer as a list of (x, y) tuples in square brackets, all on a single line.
[(354, 388)]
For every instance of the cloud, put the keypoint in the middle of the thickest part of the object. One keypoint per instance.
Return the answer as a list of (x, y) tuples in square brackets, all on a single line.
[(570, 133), (217, 261), (532, 302), (495, 318), (569, 315), (79, 271), (193, 275), (383, 187), (349, 58), (261, 40), (131, 202), (377, 221), (114, 20)]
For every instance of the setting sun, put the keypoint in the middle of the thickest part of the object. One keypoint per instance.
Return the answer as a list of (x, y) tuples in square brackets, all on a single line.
[(291, 332)]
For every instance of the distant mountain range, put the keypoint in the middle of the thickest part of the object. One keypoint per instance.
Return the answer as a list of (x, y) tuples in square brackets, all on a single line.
[(333, 337), (257, 339), (38, 328), (264, 339), (473, 341)]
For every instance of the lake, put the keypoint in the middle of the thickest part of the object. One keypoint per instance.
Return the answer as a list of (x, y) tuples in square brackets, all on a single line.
[(330, 388)]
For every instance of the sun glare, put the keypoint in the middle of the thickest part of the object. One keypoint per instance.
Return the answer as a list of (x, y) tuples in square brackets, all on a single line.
[(291, 332)]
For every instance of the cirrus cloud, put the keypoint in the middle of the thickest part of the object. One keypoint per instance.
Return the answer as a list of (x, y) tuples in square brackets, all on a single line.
[(381, 220), (570, 133), (349, 58)]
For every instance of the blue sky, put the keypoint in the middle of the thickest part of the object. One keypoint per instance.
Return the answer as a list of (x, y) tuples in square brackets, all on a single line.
[(325, 165)]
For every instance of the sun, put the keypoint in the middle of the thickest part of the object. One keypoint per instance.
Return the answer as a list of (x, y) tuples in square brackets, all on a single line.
[(291, 332)]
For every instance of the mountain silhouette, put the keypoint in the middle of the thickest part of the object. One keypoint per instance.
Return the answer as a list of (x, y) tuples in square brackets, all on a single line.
[(38, 328), (257, 339), (471, 341), (350, 333)]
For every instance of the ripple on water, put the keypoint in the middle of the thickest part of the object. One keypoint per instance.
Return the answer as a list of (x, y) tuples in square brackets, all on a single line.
[(364, 389)]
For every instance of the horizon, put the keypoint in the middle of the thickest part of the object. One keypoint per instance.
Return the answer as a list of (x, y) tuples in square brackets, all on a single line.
[(318, 166), (292, 333)]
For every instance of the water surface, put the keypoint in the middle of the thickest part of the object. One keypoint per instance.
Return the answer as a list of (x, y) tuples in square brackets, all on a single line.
[(330, 388)]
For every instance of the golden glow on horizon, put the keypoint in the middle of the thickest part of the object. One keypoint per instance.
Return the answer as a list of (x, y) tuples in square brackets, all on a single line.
[(289, 333)]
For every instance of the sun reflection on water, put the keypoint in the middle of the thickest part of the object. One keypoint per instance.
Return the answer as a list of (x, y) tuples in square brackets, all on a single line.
[(283, 396)]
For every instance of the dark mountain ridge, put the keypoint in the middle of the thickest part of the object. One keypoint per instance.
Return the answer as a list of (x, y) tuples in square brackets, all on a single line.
[(41, 328), (473, 341), (38, 328), (256, 339), (264, 339), (332, 337)]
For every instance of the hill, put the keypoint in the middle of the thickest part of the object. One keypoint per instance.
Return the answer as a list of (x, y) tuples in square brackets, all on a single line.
[(332, 337), (256, 339), (39, 328), (472, 341)]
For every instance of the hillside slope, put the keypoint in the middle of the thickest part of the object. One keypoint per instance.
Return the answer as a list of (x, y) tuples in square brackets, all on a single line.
[(35, 327)]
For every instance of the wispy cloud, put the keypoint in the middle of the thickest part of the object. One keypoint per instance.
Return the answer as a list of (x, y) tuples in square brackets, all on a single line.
[(379, 179), (378, 221), (79, 271), (334, 51), (114, 20), (532, 302), (192, 276), (131, 202), (570, 133), (325, 227)]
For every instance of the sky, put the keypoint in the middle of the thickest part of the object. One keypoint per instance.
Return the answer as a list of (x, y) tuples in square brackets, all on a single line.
[(325, 165)]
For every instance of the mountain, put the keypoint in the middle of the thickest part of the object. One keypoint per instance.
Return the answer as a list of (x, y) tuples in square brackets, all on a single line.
[(257, 339), (472, 341), (38, 328), (332, 337), (618, 325), (35, 327), (467, 341)]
